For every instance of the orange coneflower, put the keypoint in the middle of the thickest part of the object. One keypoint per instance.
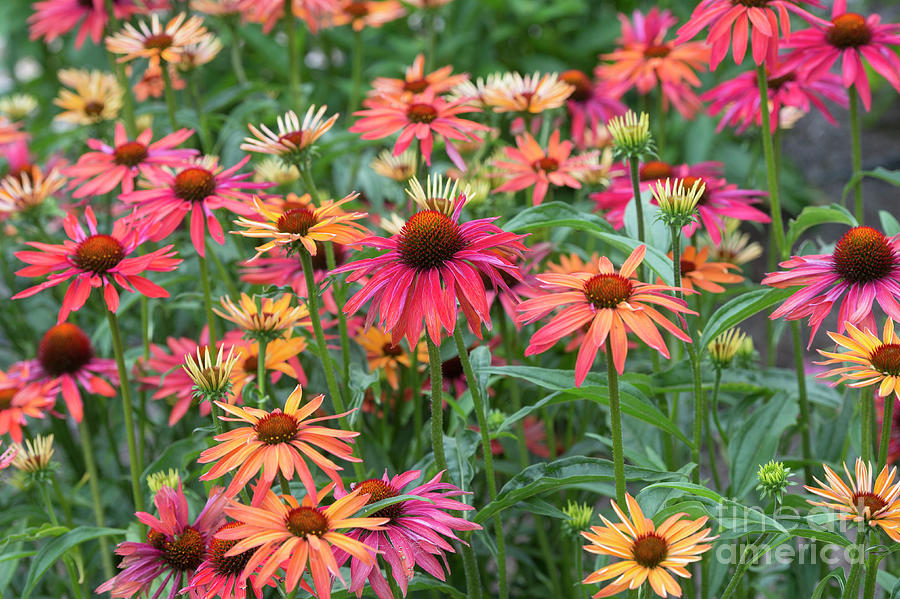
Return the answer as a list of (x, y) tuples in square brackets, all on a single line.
[(873, 361), (277, 442), (531, 94), (861, 502), (399, 168), (270, 321), (382, 353), (297, 222), (28, 189), (416, 81), (281, 358), (529, 165), (155, 41), (649, 553), (571, 263), (696, 272), (361, 14)]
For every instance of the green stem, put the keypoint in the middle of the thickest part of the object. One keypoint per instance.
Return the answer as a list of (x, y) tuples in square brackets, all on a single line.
[(308, 181), (339, 298), (63, 502), (121, 77), (806, 444), (771, 168), (660, 121), (712, 448), (416, 397), (51, 512), (224, 273), (579, 567), (480, 413), (261, 371), (851, 590), (127, 408), (94, 483), (615, 416), (169, 93), (887, 421), (715, 407), (357, 67), (290, 27), (237, 63), (856, 155), (470, 568), (867, 400), (634, 166), (142, 397), (699, 418), (205, 138), (742, 567), (437, 408), (207, 297), (871, 576)]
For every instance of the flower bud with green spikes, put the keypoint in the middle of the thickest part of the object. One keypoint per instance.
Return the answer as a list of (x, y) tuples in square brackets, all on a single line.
[(631, 136), (723, 348), (212, 379), (34, 459), (773, 479), (578, 517), (158, 480), (678, 204)]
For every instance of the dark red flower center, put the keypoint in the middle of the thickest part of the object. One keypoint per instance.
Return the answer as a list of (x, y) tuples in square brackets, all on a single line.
[(417, 86), (379, 490), (577, 79), (227, 564), (429, 239), (276, 428), (452, 369), (849, 30), (64, 349), (156, 539), (185, 551), (320, 260), (295, 137), (99, 253), (689, 182), (866, 500), (775, 83), (194, 184), (687, 266), (251, 364), (6, 397), (421, 113), (130, 153), (607, 290), (297, 221), (303, 521), (357, 9), (886, 359), (650, 550), (657, 51), (160, 41), (93, 108), (751, 3), (546, 164), (864, 254), (653, 170), (391, 350)]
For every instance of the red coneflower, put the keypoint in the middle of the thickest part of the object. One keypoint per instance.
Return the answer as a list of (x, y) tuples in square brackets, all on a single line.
[(20, 398), (222, 575)]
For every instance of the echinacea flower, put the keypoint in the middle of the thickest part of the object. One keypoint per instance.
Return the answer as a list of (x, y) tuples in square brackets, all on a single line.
[(152, 83), (734, 246), (850, 37), (528, 94), (9, 131), (417, 81), (270, 12), (860, 501), (296, 222), (7, 457), (277, 442), (218, 8), (399, 168), (155, 40), (648, 553), (197, 188), (438, 193), (281, 359), (21, 398), (28, 189), (361, 14), (431, 264), (269, 321), (199, 53), (382, 353), (211, 377), (530, 165), (613, 303), (294, 536), (53, 18), (222, 575), (698, 273), (18, 107), (34, 457), (109, 166), (419, 118), (174, 549), (726, 346), (94, 97), (591, 104), (872, 360), (416, 533), (863, 269), (293, 137)]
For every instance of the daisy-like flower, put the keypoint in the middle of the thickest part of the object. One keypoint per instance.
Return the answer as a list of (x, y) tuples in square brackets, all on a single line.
[(645, 61), (294, 536), (418, 118), (211, 377), (151, 84), (221, 575), (432, 263), (53, 18), (438, 194), (94, 97), (734, 246), (155, 41), (109, 166), (20, 192), (91, 259), (270, 12), (174, 549), (198, 188), (851, 38), (648, 553), (591, 104), (531, 94), (698, 273), (277, 442), (416, 81), (416, 533), (860, 501), (737, 99), (18, 106), (399, 168), (219, 8), (199, 53), (366, 13), (271, 320), (381, 353), (613, 303), (35, 456), (20, 399), (721, 199), (529, 165), (293, 137), (274, 170), (725, 347), (863, 269), (872, 361), (295, 222)]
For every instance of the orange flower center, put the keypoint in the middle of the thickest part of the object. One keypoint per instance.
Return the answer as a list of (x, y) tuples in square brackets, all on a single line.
[(303, 521), (6, 397), (93, 108), (194, 184), (156, 539), (546, 164), (296, 222), (160, 41), (276, 428), (657, 51), (295, 137), (653, 170), (863, 255), (416, 86), (130, 153), (98, 253), (848, 31), (429, 239), (186, 551), (251, 363), (867, 504), (775, 83), (688, 183), (379, 490), (576, 78), (357, 9), (64, 349), (227, 564), (25, 169), (687, 266), (650, 550), (421, 113), (391, 350), (886, 359), (607, 290)]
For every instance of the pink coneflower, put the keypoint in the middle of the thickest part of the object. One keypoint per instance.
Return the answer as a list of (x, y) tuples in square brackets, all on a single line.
[(269, 12), (198, 188), (21, 399), (432, 263), (530, 165), (738, 98), (53, 18), (100, 171), (764, 16), (721, 200), (174, 549), (419, 118), (416, 81), (9, 132), (416, 533), (590, 106), (851, 38), (863, 269), (222, 575), (93, 260), (8, 455)]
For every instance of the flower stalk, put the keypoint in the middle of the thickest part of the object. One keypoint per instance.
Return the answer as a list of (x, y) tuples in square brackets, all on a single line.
[(90, 464), (437, 407), (615, 417)]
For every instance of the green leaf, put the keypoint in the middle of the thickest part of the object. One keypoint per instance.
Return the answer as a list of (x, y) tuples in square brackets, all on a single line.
[(739, 309), (371, 508), (892, 177), (556, 214), (889, 224), (179, 455), (55, 549), (837, 574), (817, 215), (756, 441)]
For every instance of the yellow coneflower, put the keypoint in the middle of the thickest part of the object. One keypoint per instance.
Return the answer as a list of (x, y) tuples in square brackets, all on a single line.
[(399, 168), (293, 136), (593, 167), (723, 348), (382, 353), (872, 360), (34, 456), (18, 106), (438, 194), (212, 378), (155, 41), (96, 97), (28, 189), (530, 93), (270, 321)]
